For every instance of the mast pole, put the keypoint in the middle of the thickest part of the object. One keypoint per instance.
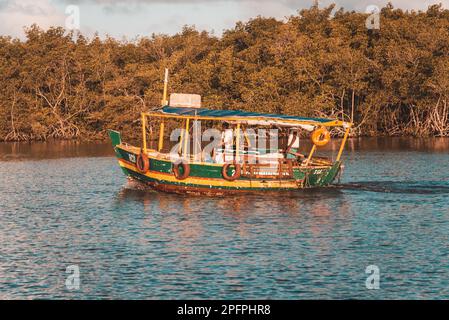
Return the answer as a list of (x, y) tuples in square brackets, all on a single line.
[(164, 101), (343, 143)]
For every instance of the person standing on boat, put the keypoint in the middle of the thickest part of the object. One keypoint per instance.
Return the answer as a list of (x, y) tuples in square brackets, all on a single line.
[(227, 145), (292, 151), (227, 137)]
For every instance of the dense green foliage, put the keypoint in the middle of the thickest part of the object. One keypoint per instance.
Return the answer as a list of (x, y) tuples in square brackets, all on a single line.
[(392, 81)]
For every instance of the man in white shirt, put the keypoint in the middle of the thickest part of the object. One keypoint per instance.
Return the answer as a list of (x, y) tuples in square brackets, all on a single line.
[(227, 143), (227, 138), (293, 146)]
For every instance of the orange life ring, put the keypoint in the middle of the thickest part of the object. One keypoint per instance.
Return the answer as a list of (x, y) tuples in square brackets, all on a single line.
[(321, 137), (143, 162), (237, 173), (185, 169)]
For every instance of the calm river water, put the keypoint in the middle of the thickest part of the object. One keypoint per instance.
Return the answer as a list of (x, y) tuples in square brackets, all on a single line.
[(68, 204)]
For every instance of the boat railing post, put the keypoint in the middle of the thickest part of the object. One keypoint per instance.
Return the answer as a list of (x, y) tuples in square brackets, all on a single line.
[(245, 134), (144, 133), (186, 138), (237, 143), (310, 155), (161, 136), (343, 143), (181, 139)]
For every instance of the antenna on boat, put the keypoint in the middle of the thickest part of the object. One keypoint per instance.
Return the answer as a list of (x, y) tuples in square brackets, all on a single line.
[(164, 101)]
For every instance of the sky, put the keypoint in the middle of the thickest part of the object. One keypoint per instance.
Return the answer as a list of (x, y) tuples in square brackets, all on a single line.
[(131, 19)]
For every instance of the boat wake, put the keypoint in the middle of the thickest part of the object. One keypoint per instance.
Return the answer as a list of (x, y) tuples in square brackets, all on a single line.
[(406, 187), (135, 185)]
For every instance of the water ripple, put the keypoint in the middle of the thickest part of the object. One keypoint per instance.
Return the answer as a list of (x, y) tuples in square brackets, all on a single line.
[(131, 243)]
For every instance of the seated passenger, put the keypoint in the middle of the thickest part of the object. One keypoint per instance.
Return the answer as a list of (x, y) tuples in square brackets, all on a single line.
[(219, 156)]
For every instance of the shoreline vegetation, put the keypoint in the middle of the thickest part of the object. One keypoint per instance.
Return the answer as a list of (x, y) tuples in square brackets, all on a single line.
[(322, 62)]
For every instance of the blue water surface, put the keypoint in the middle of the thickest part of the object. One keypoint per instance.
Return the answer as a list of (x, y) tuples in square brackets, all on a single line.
[(76, 208)]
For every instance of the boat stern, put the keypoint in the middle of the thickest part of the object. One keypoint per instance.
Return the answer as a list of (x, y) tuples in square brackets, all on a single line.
[(333, 173)]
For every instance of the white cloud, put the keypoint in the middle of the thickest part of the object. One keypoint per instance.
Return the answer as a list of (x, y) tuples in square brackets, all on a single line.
[(16, 14), (293, 4), (133, 17)]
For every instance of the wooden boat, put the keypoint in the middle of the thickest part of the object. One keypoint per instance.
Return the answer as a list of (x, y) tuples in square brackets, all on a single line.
[(232, 169)]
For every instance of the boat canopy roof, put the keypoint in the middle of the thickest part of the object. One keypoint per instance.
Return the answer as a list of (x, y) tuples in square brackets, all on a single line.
[(250, 118)]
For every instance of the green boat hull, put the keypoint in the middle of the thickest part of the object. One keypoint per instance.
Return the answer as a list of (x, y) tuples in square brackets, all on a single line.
[(208, 179)]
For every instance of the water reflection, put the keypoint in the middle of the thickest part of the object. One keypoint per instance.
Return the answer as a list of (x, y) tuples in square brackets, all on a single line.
[(53, 150), (405, 187), (288, 202), (184, 215)]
